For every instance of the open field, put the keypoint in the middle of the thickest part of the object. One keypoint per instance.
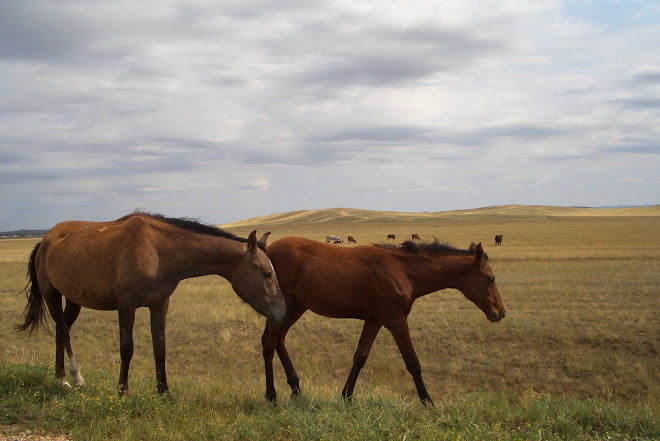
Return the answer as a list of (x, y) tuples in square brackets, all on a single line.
[(575, 358)]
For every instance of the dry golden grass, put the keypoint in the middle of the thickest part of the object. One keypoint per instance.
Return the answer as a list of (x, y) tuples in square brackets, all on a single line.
[(582, 298)]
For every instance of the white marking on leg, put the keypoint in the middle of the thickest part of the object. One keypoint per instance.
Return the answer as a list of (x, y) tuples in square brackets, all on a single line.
[(75, 372)]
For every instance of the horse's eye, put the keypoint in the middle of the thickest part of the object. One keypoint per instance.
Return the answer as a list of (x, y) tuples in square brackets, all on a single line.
[(268, 274), (491, 279)]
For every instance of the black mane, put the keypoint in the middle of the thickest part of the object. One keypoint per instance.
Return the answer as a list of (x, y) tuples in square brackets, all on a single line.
[(435, 247), (194, 225)]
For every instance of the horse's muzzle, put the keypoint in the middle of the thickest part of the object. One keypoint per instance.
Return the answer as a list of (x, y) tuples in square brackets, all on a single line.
[(496, 316), (276, 317)]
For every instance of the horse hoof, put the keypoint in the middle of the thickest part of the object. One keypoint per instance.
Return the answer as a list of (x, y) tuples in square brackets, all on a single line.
[(66, 385), (167, 396)]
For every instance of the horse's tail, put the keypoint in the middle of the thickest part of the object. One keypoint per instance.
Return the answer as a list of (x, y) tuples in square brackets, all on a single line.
[(34, 311)]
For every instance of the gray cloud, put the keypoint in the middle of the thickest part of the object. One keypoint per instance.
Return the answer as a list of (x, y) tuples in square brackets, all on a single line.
[(426, 135), (170, 106), (641, 103), (646, 78)]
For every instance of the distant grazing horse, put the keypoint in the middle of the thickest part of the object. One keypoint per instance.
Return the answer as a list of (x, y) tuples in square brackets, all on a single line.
[(498, 239), (136, 261), (333, 239), (379, 286), (391, 236), (351, 239), (415, 237)]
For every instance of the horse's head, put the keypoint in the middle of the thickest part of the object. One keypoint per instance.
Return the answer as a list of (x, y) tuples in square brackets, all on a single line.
[(479, 286), (255, 281)]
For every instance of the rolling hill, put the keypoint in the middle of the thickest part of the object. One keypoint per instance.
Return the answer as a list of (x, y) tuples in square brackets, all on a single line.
[(502, 212)]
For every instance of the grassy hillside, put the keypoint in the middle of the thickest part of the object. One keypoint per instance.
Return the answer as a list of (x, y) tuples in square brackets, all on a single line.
[(504, 212)]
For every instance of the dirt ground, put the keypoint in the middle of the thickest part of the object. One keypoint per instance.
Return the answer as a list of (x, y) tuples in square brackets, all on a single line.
[(11, 433)]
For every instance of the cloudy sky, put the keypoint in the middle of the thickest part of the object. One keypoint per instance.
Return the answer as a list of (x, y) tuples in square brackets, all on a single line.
[(224, 110)]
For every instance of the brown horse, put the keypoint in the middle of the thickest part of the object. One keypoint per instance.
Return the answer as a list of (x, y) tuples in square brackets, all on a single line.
[(391, 236), (351, 239), (498, 239), (136, 261), (415, 237), (379, 286)]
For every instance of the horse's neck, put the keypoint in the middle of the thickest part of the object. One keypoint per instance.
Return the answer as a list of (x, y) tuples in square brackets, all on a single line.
[(203, 255), (433, 273)]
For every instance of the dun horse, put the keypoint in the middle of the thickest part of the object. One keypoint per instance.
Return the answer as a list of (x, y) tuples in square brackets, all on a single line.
[(137, 261), (379, 287)]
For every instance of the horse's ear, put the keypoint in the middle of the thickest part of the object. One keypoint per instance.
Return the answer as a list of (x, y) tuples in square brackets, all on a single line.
[(252, 241), (478, 255), (262, 241)]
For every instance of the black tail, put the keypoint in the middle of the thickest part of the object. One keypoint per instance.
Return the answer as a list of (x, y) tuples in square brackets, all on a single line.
[(34, 311)]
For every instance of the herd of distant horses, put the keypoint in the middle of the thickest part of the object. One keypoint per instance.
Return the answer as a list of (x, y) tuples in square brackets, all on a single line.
[(138, 260), (337, 240)]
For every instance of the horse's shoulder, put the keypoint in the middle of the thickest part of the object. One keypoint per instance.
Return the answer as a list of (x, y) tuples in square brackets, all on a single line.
[(282, 245)]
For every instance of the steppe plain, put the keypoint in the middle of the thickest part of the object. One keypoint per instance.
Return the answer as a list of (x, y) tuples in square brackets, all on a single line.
[(575, 358)]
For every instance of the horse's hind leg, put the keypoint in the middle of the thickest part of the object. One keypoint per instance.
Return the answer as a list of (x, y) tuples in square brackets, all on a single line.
[(71, 312), (53, 299), (369, 333)]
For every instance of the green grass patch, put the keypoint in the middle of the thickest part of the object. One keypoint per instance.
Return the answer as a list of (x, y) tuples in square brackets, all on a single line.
[(33, 399)]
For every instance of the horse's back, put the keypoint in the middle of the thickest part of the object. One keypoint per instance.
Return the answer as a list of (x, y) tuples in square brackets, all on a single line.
[(332, 281), (83, 260), (84, 239)]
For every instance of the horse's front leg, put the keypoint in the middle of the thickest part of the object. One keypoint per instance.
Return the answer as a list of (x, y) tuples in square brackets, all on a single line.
[(293, 312), (126, 321), (158, 317), (268, 341), (401, 334)]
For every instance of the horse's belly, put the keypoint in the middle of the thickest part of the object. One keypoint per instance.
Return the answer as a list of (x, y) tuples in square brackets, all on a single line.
[(340, 313), (89, 299), (88, 292), (332, 306)]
